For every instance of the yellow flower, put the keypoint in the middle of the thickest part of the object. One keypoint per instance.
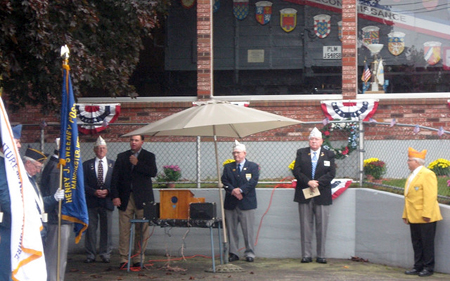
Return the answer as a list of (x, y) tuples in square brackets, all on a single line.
[(370, 160)]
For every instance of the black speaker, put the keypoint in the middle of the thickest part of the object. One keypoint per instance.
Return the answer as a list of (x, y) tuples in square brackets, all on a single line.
[(151, 211), (202, 211)]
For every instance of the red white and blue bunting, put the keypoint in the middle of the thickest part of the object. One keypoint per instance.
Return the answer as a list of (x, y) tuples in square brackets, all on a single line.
[(350, 109), (94, 118)]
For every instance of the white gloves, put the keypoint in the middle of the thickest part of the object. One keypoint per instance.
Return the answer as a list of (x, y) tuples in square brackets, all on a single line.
[(59, 195)]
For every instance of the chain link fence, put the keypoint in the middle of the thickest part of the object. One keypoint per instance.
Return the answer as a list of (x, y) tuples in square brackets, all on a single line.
[(197, 162)]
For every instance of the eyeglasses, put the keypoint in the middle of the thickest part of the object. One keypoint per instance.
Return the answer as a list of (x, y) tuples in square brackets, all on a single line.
[(38, 167)]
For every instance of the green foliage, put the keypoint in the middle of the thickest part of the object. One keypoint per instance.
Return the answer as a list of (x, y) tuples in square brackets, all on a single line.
[(171, 173), (441, 167), (104, 38), (374, 167)]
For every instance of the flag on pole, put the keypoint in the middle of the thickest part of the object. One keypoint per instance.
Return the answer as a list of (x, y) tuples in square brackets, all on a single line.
[(380, 72), (74, 205), (366, 73), (27, 255)]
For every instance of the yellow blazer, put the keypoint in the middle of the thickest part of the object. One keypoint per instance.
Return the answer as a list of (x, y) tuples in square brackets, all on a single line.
[(421, 198)]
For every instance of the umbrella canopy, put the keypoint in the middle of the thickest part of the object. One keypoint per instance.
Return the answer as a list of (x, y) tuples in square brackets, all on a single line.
[(215, 118)]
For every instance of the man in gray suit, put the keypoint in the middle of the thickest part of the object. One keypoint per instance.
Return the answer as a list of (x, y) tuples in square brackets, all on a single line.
[(314, 170), (97, 185)]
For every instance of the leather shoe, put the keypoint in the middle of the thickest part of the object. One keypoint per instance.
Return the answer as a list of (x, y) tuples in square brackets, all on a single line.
[(232, 257), (425, 272), (412, 272), (137, 264), (306, 260), (89, 260), (249, 259), (321, 260)]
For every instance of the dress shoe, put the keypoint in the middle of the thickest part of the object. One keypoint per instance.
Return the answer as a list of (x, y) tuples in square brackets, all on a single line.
[(412, 272), (89, 260), (123, 265), (137, 264), (249, 259), (306, 260), (106, 260), (321, 260), (233, 257), (425, 272)]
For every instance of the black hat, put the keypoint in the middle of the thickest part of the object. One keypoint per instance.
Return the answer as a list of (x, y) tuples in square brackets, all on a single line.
[(35, 155)]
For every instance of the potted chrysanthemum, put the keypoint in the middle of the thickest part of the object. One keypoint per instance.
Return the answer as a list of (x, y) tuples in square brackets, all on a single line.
[(374, 168), (441, 167), (171, 173)]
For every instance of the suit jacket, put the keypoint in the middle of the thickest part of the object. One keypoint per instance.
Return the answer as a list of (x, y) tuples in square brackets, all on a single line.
[(5, 203), (90, 185), (139, 178), (246, 180), (421, 198), (325, 172)]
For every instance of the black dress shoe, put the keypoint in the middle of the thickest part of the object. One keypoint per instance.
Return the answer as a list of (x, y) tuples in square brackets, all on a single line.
[(122, 265), (412, 272), (233, 257), (425, 272), (321, 260), (89, 260), (137, 264), (249, 259), (306, 260)]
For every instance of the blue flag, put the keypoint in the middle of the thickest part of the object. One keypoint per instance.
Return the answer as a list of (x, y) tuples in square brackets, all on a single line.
[(74, 205)]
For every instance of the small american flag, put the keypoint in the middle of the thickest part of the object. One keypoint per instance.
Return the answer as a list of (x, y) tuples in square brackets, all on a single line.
[(366, 73)]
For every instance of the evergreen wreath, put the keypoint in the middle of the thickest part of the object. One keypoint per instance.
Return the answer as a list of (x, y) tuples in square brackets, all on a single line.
[(351, 129)]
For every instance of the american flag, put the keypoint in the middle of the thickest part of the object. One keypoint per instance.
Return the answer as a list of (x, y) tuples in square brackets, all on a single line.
[(366, 73)]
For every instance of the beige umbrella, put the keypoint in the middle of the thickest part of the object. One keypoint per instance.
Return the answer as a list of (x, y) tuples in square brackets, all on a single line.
[(216, 118)]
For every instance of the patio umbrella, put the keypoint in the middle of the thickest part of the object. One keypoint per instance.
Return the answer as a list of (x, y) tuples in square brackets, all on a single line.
[(216, 118)]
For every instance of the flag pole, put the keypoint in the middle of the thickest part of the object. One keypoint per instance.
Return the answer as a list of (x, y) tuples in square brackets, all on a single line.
[(62, 162)]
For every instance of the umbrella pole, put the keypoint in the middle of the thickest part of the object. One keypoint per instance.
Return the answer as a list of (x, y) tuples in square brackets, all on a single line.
[(220, 185)]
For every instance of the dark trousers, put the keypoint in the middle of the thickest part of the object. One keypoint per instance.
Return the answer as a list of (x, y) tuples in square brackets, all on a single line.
[(422, 237)]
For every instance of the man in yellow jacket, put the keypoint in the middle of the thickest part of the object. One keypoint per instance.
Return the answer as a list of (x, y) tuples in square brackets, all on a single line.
[(421, 212)]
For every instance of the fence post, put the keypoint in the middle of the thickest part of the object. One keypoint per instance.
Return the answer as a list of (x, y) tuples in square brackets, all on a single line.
[(361, 152), (198, 162)]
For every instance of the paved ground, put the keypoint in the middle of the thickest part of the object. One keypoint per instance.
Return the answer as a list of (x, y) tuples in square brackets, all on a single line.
[(199, 268)]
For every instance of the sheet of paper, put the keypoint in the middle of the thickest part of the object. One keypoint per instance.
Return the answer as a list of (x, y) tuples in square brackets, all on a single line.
[(309, 194)]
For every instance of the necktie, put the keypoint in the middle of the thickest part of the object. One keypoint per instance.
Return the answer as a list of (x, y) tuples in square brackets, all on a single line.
[(239, 167), (100, 174), (314, 164)]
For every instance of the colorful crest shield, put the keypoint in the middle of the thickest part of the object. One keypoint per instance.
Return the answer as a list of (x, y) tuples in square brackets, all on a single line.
[(240, 9), (263, 12), (340, 30), (432, 52), (322, 25), (371, 35), (187, 3), (288, 19), (396, 43)]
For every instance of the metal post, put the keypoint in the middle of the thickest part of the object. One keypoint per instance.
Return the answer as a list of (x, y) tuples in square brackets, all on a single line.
[(361, 152), (199, 162)]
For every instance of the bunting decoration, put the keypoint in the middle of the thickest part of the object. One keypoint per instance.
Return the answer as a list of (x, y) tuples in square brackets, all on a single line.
[(92, 118), (338, 186), (351, 109)]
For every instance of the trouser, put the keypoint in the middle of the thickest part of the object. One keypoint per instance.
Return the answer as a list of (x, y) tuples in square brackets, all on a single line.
[(51, 250), (310, 212), (142, 230), (422, 237), (104, 217), (246, 218)]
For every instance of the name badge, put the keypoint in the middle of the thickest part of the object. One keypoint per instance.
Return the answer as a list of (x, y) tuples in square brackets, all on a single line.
[(248, 176), (326, 163)]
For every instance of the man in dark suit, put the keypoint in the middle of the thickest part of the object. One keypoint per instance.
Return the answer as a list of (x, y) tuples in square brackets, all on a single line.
[(240, 179), (131, 189), (314, 170), (97, 182)]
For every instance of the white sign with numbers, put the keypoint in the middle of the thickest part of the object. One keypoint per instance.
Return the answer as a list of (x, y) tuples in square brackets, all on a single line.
[(332, 52)]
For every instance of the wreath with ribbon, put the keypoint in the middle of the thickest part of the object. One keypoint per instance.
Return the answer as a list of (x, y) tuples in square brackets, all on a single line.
[(351, 129)]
